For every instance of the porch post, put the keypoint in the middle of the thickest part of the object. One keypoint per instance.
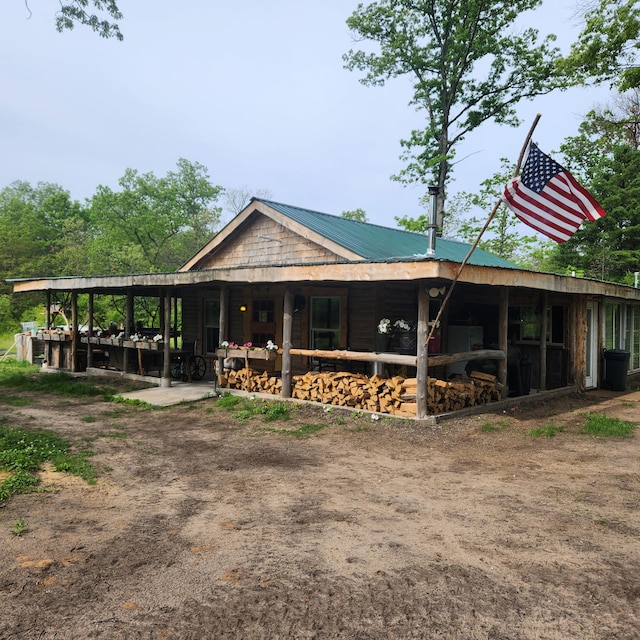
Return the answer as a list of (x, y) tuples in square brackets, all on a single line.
[(90, 332), (128, 324), (422, 376), (47, 311), (503, 334), (166, 340), (74, 331), (287, 324), (578, 341), (543, 343), (223, 323)]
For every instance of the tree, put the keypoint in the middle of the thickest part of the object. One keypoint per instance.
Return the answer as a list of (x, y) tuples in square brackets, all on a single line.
[(605, 156), (607, 48), (235, 200), (357, 214), (467, 65), (35, 223), (104, 22), (152, 224)]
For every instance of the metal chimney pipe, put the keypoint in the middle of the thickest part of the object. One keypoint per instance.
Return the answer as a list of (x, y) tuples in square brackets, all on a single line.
[(433, 223)]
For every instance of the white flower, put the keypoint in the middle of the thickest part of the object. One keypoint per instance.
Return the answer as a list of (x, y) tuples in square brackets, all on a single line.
[(270, 346), (403, 325), (384, 326), (157, 338), (224, 344), (375, 416)]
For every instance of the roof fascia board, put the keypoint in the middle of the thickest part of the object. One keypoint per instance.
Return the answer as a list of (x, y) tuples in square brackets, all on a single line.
[(340, 272)]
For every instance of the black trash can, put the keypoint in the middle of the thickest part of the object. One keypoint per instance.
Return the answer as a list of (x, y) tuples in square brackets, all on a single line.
[(617, 365)]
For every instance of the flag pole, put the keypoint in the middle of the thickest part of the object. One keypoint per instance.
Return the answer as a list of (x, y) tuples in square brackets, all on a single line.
[(484, 228)]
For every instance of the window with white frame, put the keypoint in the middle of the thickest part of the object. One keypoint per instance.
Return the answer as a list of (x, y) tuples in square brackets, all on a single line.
[(612, 326)]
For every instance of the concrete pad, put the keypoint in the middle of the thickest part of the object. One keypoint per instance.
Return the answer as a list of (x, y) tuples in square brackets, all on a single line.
[(178, 392)]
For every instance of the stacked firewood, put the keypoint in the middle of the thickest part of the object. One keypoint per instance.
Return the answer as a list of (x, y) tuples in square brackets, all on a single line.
[(396, 395), (250, 380)]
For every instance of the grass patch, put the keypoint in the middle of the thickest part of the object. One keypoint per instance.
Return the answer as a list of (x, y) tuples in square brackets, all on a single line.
[(244, 408), (22, 453), (488, 427), (301, 432), (547, 431), (16, 402), (601, 426), (19, 528), (26, 377)]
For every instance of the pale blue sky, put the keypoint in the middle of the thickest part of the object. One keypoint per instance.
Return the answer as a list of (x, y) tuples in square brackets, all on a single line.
[(255, 91)]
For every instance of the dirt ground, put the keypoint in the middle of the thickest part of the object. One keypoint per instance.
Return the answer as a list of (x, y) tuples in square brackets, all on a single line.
[(203, 525)]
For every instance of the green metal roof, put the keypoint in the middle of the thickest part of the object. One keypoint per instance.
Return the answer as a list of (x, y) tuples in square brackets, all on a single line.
[(379, 244)]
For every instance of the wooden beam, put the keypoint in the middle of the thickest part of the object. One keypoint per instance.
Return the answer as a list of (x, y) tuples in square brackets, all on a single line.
[(166, 346), (73, 356), (287, 327), (422, 333), (90, 332), (398, 358)]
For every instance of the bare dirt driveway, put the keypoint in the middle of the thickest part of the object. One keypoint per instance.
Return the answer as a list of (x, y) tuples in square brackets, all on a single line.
[(206, 525)]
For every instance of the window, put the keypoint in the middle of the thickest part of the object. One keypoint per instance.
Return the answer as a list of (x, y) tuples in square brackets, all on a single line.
[(612, 326), (211, 316), (325, 323)]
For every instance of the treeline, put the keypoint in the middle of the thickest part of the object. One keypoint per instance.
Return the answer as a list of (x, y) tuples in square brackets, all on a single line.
[(149, 224)]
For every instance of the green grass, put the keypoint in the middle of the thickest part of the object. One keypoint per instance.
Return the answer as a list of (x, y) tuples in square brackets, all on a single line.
[(301, 432), (245, 408), (26, 377), (22, 453), (19, 528), (547, 431), (600, 425)]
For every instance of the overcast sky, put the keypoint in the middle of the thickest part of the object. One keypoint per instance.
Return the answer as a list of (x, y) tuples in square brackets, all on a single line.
[(255, 91)]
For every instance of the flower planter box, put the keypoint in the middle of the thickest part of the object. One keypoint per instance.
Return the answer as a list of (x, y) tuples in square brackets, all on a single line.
[(54, 337), (251, 354)]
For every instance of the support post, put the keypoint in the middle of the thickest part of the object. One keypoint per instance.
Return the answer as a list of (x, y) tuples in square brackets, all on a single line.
[(73, 356), (166, 341), (223, 324), (422, 333), (128, 325), (287, 326), (90, 332)]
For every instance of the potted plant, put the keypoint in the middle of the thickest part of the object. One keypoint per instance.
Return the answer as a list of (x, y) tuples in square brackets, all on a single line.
[(383, 335), (405, 332)]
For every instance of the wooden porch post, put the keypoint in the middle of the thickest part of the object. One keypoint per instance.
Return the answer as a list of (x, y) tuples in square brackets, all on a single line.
[(128, 324), (422, 333), (287, 324), (578, 341), (166, 340), (543, 342), (503, 334), (47, 311), (90, 332), (74, 331), (223, 323), (175, 320)]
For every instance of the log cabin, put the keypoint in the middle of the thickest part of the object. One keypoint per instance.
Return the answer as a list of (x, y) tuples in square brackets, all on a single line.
[(294, 298)]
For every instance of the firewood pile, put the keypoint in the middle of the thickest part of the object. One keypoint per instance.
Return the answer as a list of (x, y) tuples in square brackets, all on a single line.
[(249, 380), (396, 395)]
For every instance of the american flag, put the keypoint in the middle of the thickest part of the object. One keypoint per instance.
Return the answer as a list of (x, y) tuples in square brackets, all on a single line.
[(549, 199)]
